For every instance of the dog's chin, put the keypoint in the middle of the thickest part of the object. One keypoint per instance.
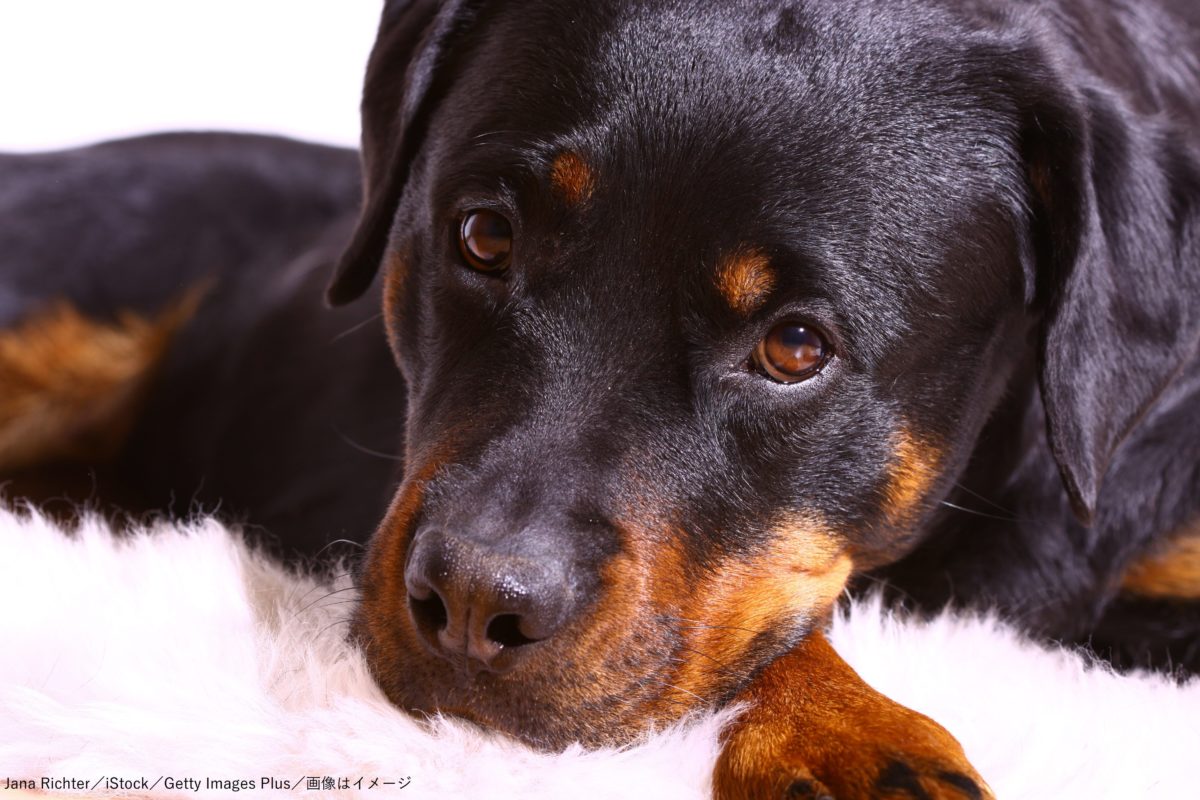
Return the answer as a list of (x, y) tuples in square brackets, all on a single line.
[(549, 730), (529, 709), (551, 700)]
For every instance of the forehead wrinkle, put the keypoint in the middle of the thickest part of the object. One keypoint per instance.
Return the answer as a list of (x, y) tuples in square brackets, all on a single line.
[(509, 161)]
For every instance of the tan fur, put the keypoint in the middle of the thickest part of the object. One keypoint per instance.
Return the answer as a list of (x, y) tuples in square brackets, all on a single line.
[(913, 471), (812, 720), (394, 274), (744, 279), (572, 178), (798, 575), (387, 593), (1172, 571), (70, 386)]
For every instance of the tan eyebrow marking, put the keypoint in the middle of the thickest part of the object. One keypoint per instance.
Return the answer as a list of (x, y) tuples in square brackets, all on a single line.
[(745, 278), (572, 178)]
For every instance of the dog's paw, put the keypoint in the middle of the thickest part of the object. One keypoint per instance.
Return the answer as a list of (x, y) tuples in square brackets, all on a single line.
[(905, 756), (814, 729)]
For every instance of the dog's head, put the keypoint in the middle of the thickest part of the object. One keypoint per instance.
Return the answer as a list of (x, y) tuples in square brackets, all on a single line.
[(701, 307)]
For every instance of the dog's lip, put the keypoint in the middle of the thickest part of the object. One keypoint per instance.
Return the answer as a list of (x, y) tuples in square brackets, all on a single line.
[(544, 730), (513, 704)]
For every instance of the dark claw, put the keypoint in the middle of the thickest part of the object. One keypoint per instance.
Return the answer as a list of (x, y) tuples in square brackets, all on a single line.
[(805, 789), (964, 784), (900, 777)]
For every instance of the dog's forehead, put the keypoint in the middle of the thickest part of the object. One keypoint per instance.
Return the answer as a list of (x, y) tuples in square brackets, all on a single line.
[(861, 154), (696, 75), (841, 116)]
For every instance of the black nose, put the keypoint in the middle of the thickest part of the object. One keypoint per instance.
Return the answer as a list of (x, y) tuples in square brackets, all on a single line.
[(486, 602)]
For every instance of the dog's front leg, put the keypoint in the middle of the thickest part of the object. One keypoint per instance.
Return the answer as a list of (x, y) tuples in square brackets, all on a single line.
[(815, 729)]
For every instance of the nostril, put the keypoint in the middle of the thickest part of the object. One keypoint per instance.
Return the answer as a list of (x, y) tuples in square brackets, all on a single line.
[(505, 630), (429, 613)]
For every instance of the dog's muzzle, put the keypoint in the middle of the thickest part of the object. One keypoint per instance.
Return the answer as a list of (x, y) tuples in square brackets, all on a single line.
[(484, 604)]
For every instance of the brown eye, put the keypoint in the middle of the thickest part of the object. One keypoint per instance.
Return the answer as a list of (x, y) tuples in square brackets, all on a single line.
[(485, 240), (791, 352)]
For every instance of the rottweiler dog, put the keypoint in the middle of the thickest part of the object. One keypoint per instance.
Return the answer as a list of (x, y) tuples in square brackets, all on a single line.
[(704, 311)]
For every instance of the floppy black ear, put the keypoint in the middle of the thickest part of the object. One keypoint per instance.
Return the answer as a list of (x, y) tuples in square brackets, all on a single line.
[(405, 76), (1117, 224)]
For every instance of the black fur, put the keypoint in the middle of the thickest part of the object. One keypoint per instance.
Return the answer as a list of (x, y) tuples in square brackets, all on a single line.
[(1040, 330), (270, 408), (991, 207)]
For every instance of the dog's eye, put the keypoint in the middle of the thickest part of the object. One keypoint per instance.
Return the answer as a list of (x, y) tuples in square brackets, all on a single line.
[(485, 240), (791, 352)]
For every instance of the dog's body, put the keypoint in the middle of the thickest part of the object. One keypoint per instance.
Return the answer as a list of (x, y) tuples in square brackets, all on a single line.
[(702, 309), (243, 417)]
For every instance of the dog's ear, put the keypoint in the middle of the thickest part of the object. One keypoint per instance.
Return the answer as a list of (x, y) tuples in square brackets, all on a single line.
[(406, 75), (1116, 218)]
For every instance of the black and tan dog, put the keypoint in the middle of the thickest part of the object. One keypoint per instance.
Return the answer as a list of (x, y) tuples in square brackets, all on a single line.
[(704, 311)]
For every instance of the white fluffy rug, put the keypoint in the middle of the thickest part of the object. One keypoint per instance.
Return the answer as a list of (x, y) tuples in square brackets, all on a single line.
[(177, 654)]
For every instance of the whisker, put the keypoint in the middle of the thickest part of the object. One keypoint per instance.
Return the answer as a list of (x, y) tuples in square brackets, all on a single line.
[(985, 499), (301, 597), (364, 449), (357, 327), (326, 596), (480, 138), (976, 513), (697, 625), (722, 668), (351, 542), (685, 691), (341, 603), (713, 659), (331, 625)]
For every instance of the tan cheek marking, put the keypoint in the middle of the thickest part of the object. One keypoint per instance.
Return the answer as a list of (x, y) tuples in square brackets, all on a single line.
[(744, 279), (396, 269), (385, 595), (913, 472), (802, 573), (650, 570), (572, 178), (70, 386), (1173, 571)]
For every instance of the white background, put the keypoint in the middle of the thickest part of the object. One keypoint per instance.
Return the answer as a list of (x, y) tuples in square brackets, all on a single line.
[(76, 71)]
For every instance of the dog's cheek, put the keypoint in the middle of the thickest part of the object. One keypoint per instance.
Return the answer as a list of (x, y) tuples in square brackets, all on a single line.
[(381, 623), (396, 272), (631, 630), (906, 487), (911, 476), (745, 611)]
